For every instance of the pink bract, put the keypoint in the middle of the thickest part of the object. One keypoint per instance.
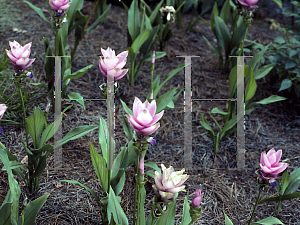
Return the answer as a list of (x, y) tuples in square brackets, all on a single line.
[(270, 165), (2, 110), (248, 3), (62, 5), (144, 120)]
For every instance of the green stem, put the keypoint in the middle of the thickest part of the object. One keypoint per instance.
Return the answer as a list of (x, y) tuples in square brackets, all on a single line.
[(256, 203), (242, 47), (110, 150), (136, 191), (24, 113)]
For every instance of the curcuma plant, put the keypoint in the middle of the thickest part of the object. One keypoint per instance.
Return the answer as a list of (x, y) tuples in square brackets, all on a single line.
[(252, 72), (228, 39), (66, 17)]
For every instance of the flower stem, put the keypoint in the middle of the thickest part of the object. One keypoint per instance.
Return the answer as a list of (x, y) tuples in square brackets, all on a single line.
[(256, 203), (136, 190), (24, 113), (242, 47)]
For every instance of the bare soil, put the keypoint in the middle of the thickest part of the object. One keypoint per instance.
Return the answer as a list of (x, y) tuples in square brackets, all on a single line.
[(224, 187)]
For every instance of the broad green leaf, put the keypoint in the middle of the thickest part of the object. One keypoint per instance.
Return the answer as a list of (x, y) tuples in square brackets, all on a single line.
[(271, 99), (216, 51), (5, 212), (222, 34), (115, 208), (78, 73), (77, 96), (225, 12), (263, 71), (155, 11), (71, 12), (102, 137), (284, 197), (232, 81), (205, 124), (294, 181), (49, 131), (33, 209), (227, 220), (290, 64), (186, 217), (40, 168), (127, 128), (35, 124), (292, 53), (39, 12), (77, 132), (119, 167), (140, 40), (285, 84), (100, 19), (237, 37), (214, 12), (134, 23), (163, 100), (100, 167), (228, 125), (284, 182), (250, 88), (279, 40), (217, 110), (125, 107), (83, 186), (153, 166), (278, 3), (268, 221), (167, 78)]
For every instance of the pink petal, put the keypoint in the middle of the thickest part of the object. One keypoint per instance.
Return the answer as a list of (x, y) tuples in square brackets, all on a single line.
[(243, 2), (150, 130), (281, 167), (11, 57), (270, 152), (65, 7), (265, 169), (264, 159), (122, 56), (144, 118), (121, 74), (176, 189), (158, 180), (137, 107), (272, 159), (152, 107), (133, 123), (157, 117), (278, 155)]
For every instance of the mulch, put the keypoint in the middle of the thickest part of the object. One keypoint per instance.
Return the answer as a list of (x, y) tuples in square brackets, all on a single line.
[(224, 187)]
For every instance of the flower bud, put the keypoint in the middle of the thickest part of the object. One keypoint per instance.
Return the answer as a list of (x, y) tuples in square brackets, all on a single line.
[(197, 198), (141, 165), (153, 57)]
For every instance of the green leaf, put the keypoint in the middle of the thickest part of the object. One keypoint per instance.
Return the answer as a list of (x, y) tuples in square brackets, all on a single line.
[(77, 96), (78, 73), (289, 65), (268, 221), (127, 128), (49, 131), (115, 208), (32, 210), (5, 212), (279, 40), (163, 100), (134, 24), (251, 86), (77, 132), (294, 181), (278, 3), (292, 53), (284, 197), (168, 218), (155, 11), (216, 51), (142, 196), (83, 186), (127, 110), (119, 167), (40, 168), (271, 99), (100, 167), (158, 55), (222, 34), (205, 124), (263, 71), (285, 84), (140, 40), (35, 124), (225, 12), (227, 220), (217, 110), (100, 19), (153, 166), (237, 37), (232, 82), (186, 217), (71, 12), (284, 182), (39, 12), (102, 137)]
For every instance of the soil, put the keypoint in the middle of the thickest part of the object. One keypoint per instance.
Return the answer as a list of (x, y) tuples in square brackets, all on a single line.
[(225, 188)]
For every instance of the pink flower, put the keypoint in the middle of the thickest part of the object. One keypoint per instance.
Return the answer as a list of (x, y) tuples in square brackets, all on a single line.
[(197, 198), (169, 183), (144, 119), (248, 3), (19, 56), (141, 165), (153, 57), (111, 65), (62, 5), (270, 165), (2, 110)]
